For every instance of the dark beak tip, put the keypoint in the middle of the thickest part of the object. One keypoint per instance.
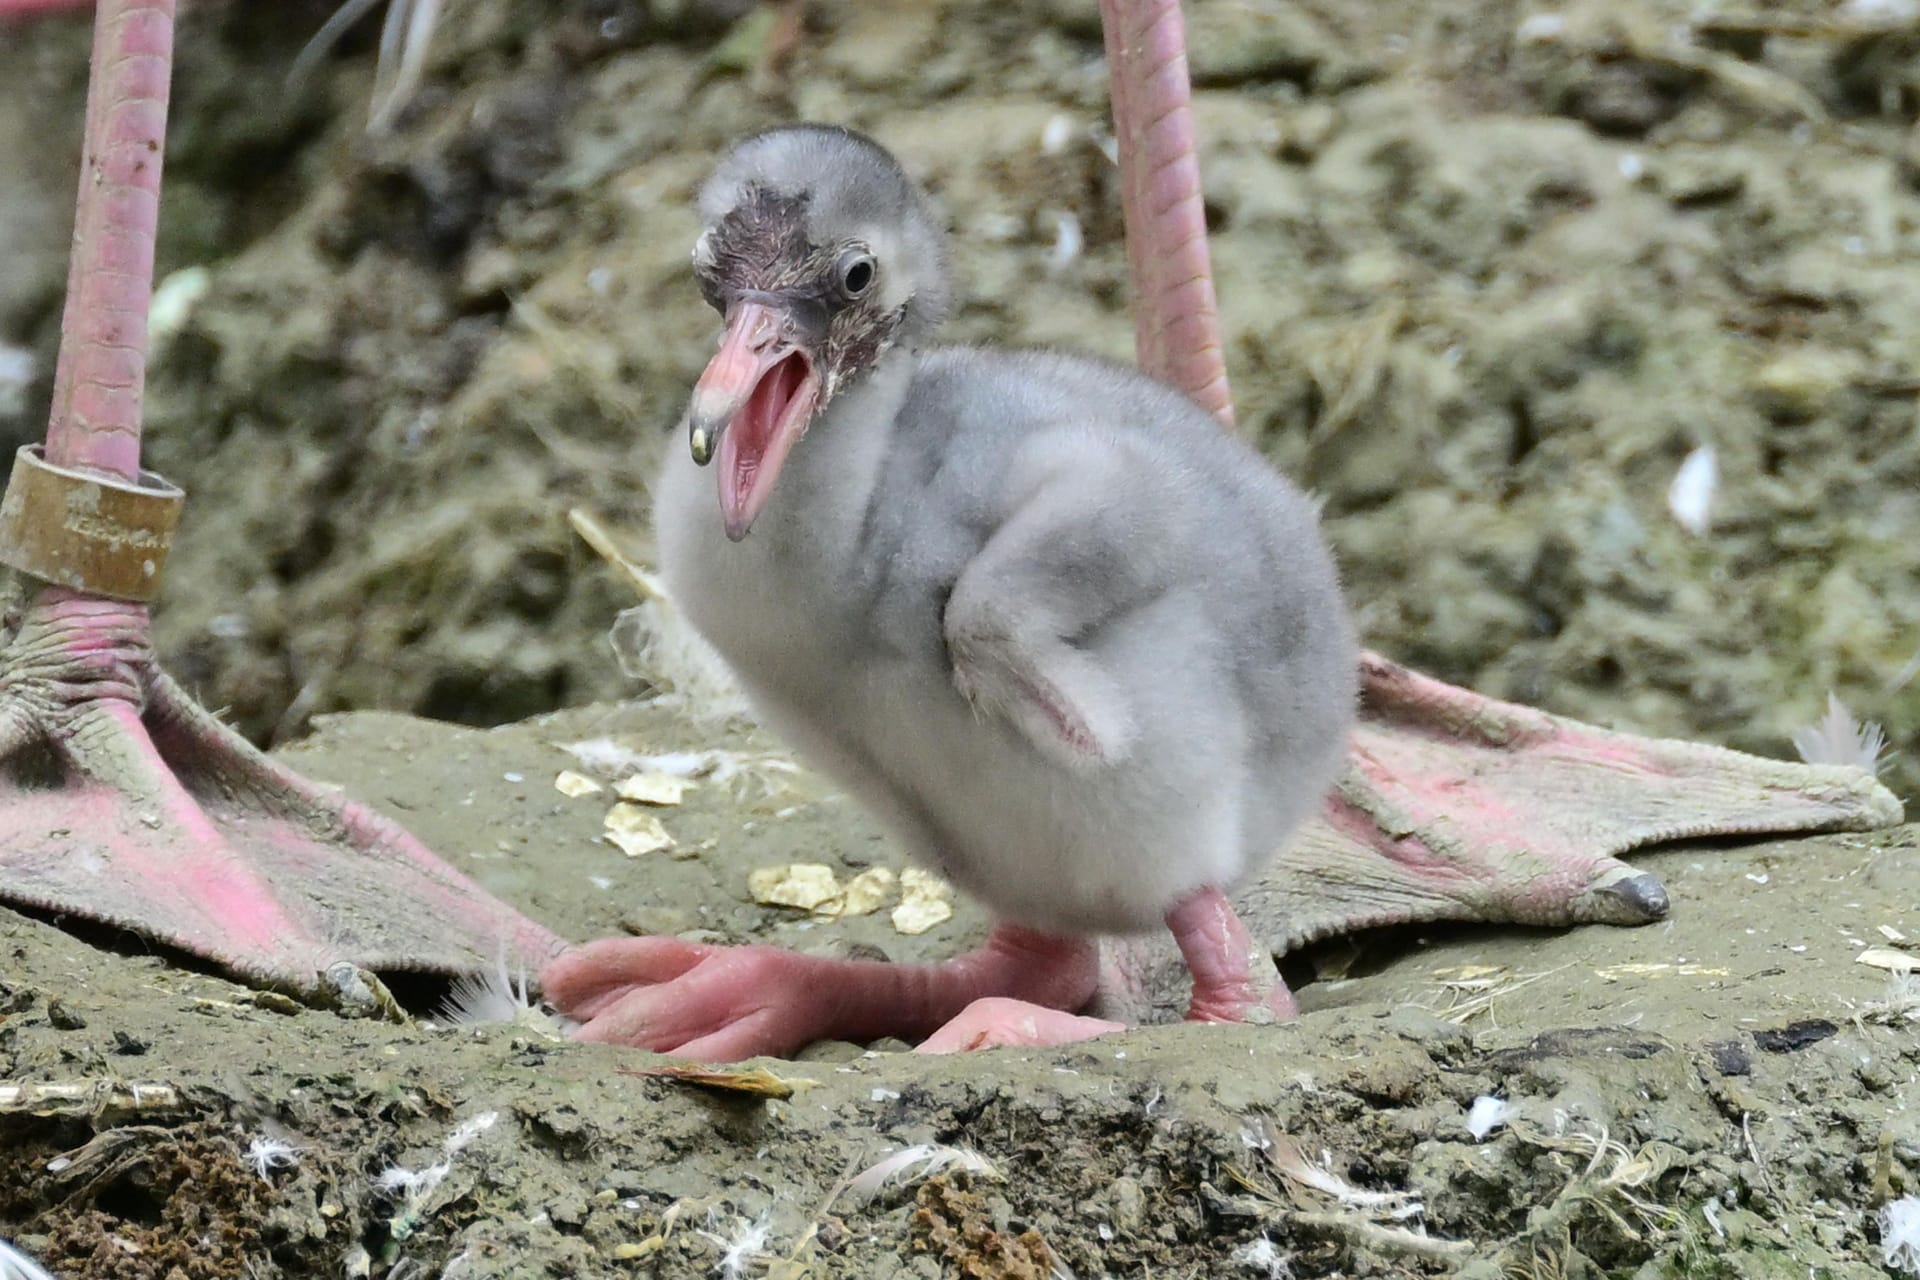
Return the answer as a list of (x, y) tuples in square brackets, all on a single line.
[(700, 444)]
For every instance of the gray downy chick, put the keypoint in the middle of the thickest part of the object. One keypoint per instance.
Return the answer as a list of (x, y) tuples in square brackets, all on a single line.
[(1083, 651)]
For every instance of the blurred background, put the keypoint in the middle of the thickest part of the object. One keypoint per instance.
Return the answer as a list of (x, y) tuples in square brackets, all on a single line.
[(1491, 272)]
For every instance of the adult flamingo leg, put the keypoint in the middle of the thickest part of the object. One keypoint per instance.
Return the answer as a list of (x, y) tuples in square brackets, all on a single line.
[(121, 800)]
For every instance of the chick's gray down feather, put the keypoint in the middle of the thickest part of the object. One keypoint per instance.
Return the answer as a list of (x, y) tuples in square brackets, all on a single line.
[(1082, 649)]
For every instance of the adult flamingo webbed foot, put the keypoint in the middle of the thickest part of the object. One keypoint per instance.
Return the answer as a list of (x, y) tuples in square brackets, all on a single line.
[(121, 800)]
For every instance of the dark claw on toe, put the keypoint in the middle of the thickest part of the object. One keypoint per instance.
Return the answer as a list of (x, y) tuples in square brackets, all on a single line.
[(1624, 897)]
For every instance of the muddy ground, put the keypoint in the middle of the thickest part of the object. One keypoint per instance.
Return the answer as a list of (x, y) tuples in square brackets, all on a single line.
[(1489, 272), (1730, 1093)]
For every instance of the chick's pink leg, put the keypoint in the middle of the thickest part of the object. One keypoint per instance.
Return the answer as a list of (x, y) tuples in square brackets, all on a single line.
[(998, 1022), (1222, 956), (726, 1003)]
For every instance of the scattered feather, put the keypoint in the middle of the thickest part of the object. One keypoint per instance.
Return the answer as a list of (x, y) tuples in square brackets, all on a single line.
[(916, 1164), (269, 1155), (1068, 241), (462, 1138), (654, 642), (1690, 496), (326, 38), (1889, 959), (402, 62), (1901, 1004), (1840, 739), (1284, 1154), (1262, 1257), (613, 758), (15, 1265), (405, 39), (488, 998), (1487, 1114), (746, 1246), (401, 1183), (1900, 1235), (410, 1189)]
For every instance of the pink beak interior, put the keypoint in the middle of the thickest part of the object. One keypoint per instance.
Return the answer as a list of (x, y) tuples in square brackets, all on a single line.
[(755, 398)]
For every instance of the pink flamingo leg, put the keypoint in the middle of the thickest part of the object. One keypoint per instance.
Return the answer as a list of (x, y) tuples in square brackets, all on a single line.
[(735, 1002), (1223, 957), (122, 801), (1176, 320)]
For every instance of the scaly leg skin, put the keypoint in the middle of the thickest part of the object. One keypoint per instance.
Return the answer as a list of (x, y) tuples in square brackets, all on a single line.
[(126, 803), (1225, 963), (1020, 988), (725, 1003), (1233, 980)]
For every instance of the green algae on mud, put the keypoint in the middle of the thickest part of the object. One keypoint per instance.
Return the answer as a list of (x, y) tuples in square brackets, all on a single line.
[(1732, 1070)]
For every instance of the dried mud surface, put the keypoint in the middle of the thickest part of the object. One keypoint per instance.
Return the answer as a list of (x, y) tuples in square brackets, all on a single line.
[(1489, 272), (1729, 1093)]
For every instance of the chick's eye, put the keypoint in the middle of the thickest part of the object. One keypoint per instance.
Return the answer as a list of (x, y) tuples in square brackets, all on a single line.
[(856, 271)]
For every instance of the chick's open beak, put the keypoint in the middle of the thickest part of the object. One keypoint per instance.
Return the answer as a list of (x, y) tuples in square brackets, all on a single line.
[(750, 407)]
